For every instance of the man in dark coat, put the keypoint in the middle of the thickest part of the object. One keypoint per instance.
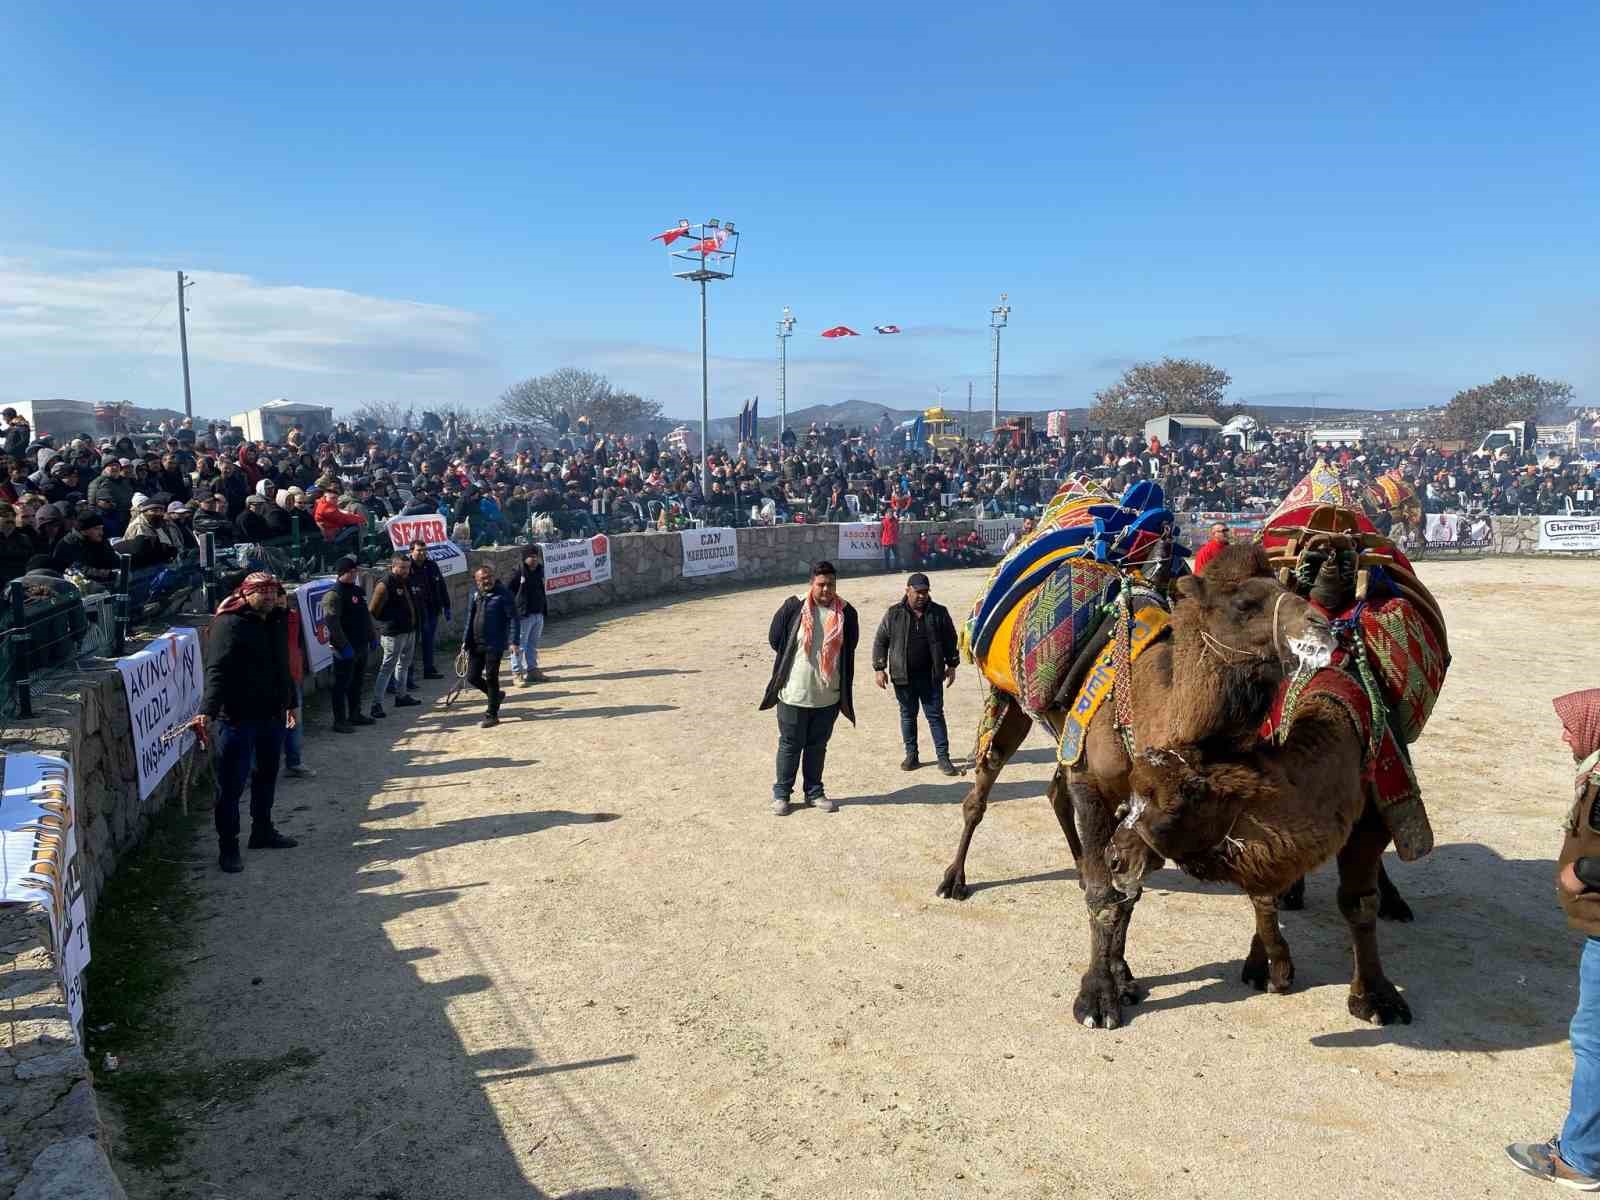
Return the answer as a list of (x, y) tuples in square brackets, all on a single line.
[(351, 634), (915, 649), (528, 591), (394, 611), (491, 627), (814, 642), (433, 602), (85, 549), (249, 702)]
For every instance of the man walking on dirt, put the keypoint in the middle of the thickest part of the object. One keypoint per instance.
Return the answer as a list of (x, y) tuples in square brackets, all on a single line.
[(916, 650), (491, 627), (814, 639)]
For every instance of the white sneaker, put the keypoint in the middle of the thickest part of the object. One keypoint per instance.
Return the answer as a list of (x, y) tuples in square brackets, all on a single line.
[(780, 808)]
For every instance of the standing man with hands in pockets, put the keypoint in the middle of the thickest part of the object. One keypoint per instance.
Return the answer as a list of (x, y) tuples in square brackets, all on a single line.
[(916, 651), (350, 633)]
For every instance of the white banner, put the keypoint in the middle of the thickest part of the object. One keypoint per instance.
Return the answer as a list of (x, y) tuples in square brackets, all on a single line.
[(39, 858), (431, 529), (860, 541), (995, 532), (709, 551), (1569, 533), (319, 650), (579, 563), (165, 683)]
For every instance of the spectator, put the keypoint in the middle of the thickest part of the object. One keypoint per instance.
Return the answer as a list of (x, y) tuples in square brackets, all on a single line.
[(393, 609), (288, 615), (491, 627), (889, 539), (1213, 547), (252, 523), (433, 601), (85, 551), (915, 649), (333, 522), (247, 706), (814, 644), (212, 518), (351, 634), (527, 588), (17, 545)]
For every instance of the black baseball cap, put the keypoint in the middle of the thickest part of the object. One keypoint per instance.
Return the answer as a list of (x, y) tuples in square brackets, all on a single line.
[(919, 581)]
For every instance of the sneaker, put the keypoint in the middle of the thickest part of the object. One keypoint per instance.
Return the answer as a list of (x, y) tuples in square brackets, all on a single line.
[(489, 722), (358, 719), (1543, 1160), (347, 727), (406, 702), (527, 681), (272, 840), (780, 808), (377, 711), (304, 772), (229, 859), (948, 767), (538, 676), (431, 674), (910, 762), (822, 802)]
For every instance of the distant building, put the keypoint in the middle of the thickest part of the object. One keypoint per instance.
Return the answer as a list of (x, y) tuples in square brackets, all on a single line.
[(1182, 429)]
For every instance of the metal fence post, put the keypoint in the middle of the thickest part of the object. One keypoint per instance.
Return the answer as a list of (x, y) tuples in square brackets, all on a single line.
[(22, 643), (119, 641)]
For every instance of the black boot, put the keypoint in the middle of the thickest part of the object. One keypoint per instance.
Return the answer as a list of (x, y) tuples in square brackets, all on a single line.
[(229, 859), (270, 839)]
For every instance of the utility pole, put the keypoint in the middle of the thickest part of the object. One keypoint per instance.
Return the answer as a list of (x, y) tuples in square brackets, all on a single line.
[(183, 341), (997, 322), (785, 330)]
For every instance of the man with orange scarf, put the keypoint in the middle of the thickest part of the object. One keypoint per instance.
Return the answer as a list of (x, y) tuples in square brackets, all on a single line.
[(1572, 1158), (814, 640)]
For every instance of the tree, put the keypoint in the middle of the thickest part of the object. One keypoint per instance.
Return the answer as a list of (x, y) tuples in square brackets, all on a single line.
[(1152, 389), (542, 399), (390, 414), (1475, 411), (621, 412)]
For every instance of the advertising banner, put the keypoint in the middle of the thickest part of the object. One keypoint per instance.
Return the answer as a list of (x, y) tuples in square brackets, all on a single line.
[(164, 682), (860, 541), (39, 861), (1569, 533), (579, 563), (431, 529), (1446, 530), (709, 551), (319, 650), (994, 533)]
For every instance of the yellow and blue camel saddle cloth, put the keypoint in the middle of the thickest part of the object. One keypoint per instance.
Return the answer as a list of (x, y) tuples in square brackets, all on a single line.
[(1149, 623)]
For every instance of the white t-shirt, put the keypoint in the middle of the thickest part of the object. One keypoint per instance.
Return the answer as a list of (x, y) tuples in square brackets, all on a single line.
[(805, 688)]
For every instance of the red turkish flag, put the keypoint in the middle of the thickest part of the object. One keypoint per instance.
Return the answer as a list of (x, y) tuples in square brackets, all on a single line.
[(840, 331), (668, 236)]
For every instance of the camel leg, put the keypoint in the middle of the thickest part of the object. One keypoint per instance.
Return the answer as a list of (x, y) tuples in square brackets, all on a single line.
[(1392, 905), (1372, 997), (1061, 801), (1268, 965), (1008, 735), (1108, 984), (1294, 899)]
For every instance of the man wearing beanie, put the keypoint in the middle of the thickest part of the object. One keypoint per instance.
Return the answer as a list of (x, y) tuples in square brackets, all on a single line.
[(350, 633), (85, 551), (916, 651)]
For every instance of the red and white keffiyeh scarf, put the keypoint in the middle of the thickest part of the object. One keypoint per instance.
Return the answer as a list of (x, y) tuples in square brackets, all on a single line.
[(832, 635), (1580, 717)]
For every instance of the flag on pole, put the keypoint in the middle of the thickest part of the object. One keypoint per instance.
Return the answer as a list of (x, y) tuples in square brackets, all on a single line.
[(667, 236), (744, 422), (755, 417), (887, 328), (839, 331)]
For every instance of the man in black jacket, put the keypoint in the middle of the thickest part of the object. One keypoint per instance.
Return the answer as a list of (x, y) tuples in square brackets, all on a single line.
[(491, 627), (814, 640), (916, 650), (394, 610), (433, 600), (350, 633), (527, 591), (86, 550), (249, 702)]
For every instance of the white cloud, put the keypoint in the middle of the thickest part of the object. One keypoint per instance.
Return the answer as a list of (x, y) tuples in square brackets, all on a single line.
[(129, 312)]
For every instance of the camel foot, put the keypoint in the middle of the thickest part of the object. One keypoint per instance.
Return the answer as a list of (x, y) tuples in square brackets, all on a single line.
[(953, 886), (1392, 905), (1382, 1004), (1267, 976), (1099, 1002), (1294, 899), (1128, 989)]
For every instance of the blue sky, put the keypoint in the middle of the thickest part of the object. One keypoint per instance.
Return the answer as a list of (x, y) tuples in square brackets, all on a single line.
[(1367, 204)]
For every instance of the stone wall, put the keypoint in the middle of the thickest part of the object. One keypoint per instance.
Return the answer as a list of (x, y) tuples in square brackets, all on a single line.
[(1520, 535)]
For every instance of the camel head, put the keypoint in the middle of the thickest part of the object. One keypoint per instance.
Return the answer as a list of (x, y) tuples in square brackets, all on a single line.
[(1174, 811), (1236, 633)]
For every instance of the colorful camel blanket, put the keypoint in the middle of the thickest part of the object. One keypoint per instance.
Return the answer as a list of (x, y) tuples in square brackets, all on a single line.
[(1386, 771)]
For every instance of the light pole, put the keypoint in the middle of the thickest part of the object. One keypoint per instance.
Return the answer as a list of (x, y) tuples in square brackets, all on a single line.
[(785, 329), (997, 322), (183, 341), (712, 248)]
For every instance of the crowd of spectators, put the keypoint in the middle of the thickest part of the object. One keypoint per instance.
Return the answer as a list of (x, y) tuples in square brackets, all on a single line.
[(64, 501)]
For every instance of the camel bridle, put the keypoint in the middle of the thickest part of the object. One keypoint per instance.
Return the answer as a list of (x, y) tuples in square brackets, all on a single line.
[(1221, 650)]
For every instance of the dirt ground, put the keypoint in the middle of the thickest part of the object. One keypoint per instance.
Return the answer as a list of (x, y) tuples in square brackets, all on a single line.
[(576, 956)]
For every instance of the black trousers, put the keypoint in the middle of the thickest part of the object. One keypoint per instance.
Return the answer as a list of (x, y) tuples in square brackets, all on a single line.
[(348, 675), (483, 673), (803, 735)]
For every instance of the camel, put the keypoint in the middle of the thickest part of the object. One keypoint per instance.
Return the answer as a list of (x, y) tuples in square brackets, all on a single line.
[(1209, 681), (1259, 819)]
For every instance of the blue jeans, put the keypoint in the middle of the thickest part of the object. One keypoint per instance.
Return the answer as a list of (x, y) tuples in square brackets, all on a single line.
[(396, 660), (891, 558), (928, 691), (525, 656), (248, 752), (1580, 1135), (294, 738), (423, 649)]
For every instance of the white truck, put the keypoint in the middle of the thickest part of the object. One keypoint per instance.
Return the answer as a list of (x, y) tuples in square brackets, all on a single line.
[(1519, 438)]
